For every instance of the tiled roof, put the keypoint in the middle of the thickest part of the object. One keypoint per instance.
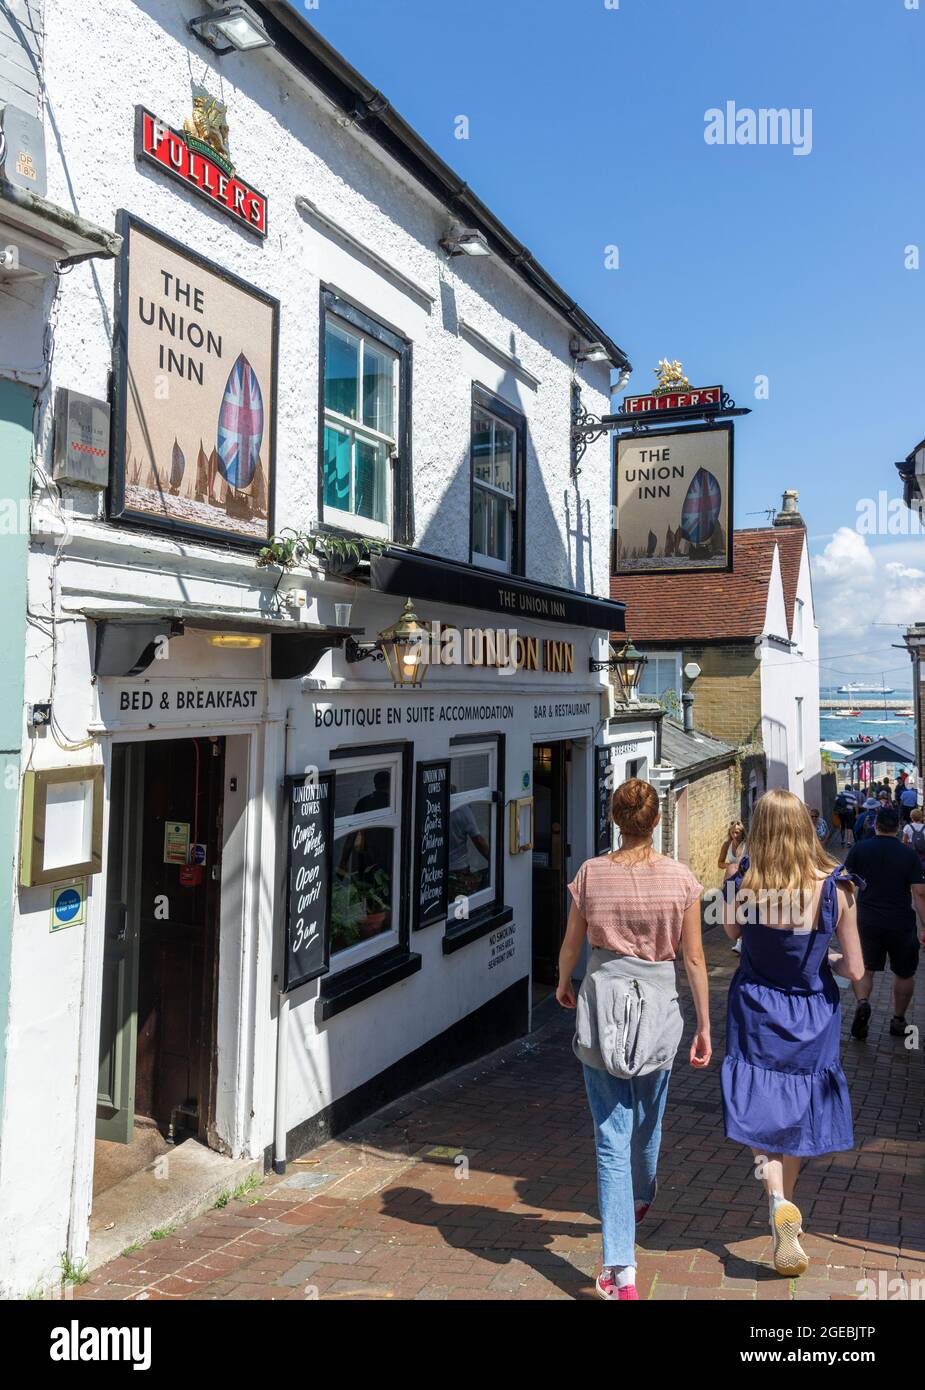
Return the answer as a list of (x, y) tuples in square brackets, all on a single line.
[(685, 751), (695, 607)]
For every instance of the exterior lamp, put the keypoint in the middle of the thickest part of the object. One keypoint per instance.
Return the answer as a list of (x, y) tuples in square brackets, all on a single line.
[(465, 241), (594, 352), (241, 641), (402, 646), (629, 664), (231, 27)]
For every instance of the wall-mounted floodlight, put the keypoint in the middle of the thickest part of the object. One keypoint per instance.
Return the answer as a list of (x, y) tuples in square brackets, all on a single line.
[(230, 28), (594, 352), (465, 241)]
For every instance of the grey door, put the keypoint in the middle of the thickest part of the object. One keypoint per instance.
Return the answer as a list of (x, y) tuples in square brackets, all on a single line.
[(115, 1110)]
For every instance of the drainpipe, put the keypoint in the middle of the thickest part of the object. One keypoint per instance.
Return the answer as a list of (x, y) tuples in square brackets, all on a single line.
[(687, 701), (282, 1024)]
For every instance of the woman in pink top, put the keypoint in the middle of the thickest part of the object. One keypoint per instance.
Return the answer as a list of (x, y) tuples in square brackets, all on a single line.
[(636, 907)]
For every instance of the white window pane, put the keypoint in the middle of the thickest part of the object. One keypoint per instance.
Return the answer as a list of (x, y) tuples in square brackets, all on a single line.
[(341, 370), (470, 771), (470, 849), (369, 489), (361, 791), (378, 395), (363, 892), (481, 447), (497, 513), (504, 458)]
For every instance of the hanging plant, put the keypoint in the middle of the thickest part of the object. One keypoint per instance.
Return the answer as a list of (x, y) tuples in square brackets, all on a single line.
[(339, 554)]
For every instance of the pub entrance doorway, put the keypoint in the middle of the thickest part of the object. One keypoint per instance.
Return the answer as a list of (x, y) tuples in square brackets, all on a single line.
[(551, 855), (160, 961)]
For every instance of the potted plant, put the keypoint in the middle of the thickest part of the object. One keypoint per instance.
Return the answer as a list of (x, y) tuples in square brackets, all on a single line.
[(348, 909), (377, 891), (340, 555)]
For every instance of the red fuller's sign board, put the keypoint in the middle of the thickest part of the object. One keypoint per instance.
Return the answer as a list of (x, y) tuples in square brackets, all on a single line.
[(706, 397), (189, 159)]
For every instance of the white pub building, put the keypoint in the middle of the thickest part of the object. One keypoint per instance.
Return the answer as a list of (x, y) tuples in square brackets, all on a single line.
[(317, 716)]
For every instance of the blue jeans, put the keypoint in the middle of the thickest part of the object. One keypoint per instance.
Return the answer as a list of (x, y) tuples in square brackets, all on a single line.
[(627, 1133)]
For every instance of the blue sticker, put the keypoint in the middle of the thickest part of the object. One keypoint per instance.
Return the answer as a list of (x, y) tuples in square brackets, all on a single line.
[(67, 904)]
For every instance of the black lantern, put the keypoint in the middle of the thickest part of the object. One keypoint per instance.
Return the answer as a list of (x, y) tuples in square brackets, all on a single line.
[(629, 664)]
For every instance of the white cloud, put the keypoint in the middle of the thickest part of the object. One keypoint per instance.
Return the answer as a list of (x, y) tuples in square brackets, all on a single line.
[(865, 596)]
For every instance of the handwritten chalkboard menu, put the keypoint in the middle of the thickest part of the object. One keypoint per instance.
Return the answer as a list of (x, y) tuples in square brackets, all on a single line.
[(603, 787), (308, 877), (431, 843)]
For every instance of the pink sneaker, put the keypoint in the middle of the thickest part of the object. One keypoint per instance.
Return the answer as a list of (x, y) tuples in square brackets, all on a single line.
[(607, 1288)]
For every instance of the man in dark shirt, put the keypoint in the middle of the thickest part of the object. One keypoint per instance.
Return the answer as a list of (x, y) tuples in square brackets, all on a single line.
[(887, 907)]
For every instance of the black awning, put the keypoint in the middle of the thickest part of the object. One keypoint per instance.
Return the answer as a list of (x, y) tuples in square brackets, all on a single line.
[(408, 574), (127, 640)]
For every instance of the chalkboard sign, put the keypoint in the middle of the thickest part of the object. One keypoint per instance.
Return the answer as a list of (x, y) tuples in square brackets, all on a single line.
[(603, 789), (431, 843), (308, 877)]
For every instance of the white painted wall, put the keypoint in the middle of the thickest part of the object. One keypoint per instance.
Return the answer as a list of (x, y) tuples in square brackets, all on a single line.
[(789, 674), (99, 63)]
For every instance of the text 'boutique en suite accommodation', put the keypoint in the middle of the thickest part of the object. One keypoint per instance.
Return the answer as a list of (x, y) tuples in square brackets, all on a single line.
[(319, 717)]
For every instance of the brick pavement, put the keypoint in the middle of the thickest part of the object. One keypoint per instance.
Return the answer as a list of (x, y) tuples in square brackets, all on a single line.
[(382, 1214)]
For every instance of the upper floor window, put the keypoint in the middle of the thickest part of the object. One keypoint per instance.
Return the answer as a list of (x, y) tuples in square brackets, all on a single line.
[(366, 430), (798, 624), (661, 675), (498, 482)]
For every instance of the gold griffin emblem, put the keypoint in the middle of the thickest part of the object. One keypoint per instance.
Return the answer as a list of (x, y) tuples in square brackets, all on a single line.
[(670, 377), (209, 127)]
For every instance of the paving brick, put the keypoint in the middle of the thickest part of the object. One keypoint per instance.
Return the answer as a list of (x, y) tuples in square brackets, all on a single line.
[(396, 1224)]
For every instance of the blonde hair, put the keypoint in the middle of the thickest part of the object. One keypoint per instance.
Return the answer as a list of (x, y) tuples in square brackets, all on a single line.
[(917, 814), (784, 852)]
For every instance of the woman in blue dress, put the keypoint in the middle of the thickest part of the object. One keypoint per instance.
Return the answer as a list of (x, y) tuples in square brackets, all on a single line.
[(784, 1091)]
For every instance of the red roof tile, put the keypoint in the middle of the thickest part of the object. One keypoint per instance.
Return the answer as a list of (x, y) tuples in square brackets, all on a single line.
[(696, 607)]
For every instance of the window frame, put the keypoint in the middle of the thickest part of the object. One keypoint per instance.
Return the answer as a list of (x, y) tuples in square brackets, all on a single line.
[(485, 897), (508, 415), (399, 524), (654, 656), (486, 909)]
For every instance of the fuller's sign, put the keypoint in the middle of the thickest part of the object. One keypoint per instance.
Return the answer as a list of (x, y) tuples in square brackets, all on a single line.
[(704, 397), (193, 157)]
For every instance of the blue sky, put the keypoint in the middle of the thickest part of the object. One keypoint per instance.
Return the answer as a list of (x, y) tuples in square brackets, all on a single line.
[(586, 129)]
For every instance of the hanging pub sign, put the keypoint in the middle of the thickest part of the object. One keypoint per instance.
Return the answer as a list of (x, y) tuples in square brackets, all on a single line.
[(705, 397), (603, 795), (309, 870), (197, 156), (673, 500), (431, 843), (194, 437)]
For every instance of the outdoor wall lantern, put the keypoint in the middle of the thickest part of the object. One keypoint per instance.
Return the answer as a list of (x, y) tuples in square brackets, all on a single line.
[(231, 27), (628, 663), (62, 824), (594, 352), (465, 241), (401, 646)]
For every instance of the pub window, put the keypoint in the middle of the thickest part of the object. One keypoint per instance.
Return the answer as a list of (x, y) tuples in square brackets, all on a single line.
[(473, 866), (364, 445), (365, 893), (497, 452)]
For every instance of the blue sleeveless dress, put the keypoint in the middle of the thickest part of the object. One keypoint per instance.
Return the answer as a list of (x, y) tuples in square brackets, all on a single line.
[(783, 1087)]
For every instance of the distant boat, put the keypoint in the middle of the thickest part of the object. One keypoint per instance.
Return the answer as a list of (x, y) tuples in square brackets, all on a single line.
[(847, 714), (861, 688)]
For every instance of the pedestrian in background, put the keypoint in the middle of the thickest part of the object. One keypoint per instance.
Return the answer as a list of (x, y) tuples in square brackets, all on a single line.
[(784, 1091), (892, 897), (637, 909), (821, 827), (914, 832), (844, 809), (908, 800), (733, 848)]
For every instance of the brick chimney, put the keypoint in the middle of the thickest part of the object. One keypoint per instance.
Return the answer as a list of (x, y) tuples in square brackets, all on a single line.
[(789, 514)]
